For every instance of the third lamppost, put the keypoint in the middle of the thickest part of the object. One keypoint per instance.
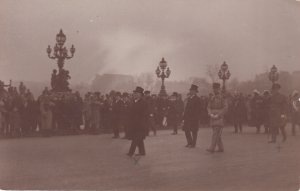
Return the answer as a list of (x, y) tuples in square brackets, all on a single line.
[(162, 73), (273, 74), (224, 74)]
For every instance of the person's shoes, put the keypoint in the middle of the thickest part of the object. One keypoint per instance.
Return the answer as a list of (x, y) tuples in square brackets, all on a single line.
[(129, 154), (283, 139), (141, 154), (192, 146), (220, 151), (272, 142), (115, 137), (188, 145), (210, 151), (293, 133)]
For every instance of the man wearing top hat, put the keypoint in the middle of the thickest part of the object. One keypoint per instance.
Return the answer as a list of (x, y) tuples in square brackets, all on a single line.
[(277, 113), (138, 122), (191, 117), (217, 107)]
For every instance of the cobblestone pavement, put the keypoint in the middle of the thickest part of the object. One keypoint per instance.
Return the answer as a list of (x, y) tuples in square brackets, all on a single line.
[(99, 162)]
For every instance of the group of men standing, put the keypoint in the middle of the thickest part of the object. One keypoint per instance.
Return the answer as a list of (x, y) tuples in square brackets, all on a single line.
[(139, 112), (276, 113)]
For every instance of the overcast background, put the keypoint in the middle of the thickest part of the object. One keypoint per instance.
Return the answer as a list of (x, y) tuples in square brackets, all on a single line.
[(131, 36)]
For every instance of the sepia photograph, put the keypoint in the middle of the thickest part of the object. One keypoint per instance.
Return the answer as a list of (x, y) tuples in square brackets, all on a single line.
[(142, 95)]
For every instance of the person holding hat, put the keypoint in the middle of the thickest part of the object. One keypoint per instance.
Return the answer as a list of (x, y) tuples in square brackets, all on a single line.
[(191, 117), (277, 113), (295, 111), (138, 123), (217, 107)]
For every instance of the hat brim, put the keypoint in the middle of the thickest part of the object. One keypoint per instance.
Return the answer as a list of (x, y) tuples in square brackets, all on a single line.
[(194, 90), (134, 91)]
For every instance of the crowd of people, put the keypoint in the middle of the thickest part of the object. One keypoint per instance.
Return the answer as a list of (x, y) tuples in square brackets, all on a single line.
[(68, 113)]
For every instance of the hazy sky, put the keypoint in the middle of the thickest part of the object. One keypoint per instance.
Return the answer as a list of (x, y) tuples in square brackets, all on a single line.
[(131, 36)]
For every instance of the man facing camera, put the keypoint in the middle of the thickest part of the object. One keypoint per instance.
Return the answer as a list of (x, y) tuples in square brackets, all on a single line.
[(191, 117), (217, 107), (138, 123)]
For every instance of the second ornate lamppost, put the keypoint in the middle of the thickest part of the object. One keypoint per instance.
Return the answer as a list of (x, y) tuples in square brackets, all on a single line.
[(273, 74), (224, 74), (163, 72)]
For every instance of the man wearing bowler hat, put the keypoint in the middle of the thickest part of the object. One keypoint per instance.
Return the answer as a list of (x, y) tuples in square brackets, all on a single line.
[(191, 117), (217, 107), (138, 123), (277, 113)]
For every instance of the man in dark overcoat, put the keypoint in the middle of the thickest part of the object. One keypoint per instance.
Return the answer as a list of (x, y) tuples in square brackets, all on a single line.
[(191, 117), (138, 122)]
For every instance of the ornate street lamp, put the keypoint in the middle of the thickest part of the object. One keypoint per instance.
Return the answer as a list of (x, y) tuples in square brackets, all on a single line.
[(224, 74), (59, 81), (60, 52), (273, 74), (162, 73)]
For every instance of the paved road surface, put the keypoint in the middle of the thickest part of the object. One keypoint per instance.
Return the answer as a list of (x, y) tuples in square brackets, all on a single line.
[(98, 162)]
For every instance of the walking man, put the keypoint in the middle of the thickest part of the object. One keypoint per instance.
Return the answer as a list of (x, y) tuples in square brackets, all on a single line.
[(277, 113), (191, 117), (138, 123), (217, 107)]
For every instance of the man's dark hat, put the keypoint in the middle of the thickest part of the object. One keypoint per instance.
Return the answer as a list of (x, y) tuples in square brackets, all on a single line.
[(194, 87), (125, 94), (147, 92), (118, 94), (139, 90), (276, 86), (216, 85), (175, 94)]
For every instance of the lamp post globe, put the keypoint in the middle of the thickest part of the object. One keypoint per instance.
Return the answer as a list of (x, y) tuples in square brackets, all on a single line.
[(162, 73)]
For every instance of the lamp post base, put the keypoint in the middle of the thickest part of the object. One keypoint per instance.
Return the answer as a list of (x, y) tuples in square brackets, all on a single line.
[(162, 92)]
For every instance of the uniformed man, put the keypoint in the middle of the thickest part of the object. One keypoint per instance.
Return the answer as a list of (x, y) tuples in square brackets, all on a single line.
[(217, 107), (138, 123), (277, 113), (191, 117)]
